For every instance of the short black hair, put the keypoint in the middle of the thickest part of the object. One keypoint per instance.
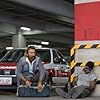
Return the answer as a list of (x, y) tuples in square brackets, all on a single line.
[(90, 65), (30, 47)]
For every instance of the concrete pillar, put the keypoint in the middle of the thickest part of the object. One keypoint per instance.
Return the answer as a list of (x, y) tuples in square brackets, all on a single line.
[(87, 31), (18, 40)]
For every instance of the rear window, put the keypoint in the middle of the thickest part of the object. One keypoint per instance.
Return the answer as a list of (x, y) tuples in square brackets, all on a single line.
[(15, 55)]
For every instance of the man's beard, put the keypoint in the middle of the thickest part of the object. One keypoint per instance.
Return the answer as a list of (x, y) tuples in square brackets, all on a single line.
[(31, 58), (86, 72)]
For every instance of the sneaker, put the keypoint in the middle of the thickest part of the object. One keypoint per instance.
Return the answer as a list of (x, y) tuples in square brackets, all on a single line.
[(62, 93), (78, 91)]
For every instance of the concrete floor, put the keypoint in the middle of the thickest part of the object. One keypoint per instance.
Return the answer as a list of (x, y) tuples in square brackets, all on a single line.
[(13, 97)]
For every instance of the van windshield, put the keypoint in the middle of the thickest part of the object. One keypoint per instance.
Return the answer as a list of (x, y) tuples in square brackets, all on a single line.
[(15, 55)]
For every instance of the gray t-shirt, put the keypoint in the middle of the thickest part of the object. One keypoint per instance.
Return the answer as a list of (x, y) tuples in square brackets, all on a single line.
[(84, 79)]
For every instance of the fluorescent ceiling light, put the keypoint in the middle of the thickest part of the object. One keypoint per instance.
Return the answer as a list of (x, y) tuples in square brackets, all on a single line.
[(9, 48), (36, 46), (33, 32), (25, 28), (45, 43)]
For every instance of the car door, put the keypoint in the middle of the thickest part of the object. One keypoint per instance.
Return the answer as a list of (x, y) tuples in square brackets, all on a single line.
[(59, 60)]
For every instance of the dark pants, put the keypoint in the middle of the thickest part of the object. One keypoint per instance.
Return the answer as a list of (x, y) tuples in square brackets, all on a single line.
[(85, 93), (33, 78)]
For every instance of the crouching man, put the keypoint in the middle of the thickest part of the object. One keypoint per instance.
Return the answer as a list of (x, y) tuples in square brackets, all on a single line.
[(30, 69), (84, 83)]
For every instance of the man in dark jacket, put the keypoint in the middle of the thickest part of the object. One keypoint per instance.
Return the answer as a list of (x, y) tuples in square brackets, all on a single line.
[(30, 69)]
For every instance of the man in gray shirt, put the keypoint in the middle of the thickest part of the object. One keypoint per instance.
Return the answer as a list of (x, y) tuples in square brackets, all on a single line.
[(84, 83), (30, 69)]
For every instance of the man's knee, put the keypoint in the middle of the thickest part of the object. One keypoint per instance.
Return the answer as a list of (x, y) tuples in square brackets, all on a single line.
[(85, 93)]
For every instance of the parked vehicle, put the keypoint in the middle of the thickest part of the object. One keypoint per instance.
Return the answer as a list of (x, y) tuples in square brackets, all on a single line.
[(53, 62)]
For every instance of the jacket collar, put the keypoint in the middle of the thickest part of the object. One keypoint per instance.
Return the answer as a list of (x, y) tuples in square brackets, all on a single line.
[(27, 60)]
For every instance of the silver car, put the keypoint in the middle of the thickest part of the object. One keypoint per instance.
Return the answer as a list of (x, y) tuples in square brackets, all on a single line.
[(52, 59)]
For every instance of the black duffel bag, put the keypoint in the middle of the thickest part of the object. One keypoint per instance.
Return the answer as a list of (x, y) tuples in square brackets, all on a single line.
[(24, 91)]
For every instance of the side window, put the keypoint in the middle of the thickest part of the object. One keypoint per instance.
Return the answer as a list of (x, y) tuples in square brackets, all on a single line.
[(55, 57), (63, 61), (44, 55), (60, 55), (58, 58)]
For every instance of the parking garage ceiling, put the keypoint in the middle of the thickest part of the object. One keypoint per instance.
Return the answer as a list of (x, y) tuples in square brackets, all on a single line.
[(71, 1), (54, 18)]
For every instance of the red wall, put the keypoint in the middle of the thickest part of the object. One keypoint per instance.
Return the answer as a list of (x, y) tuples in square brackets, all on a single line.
[(87, 21)]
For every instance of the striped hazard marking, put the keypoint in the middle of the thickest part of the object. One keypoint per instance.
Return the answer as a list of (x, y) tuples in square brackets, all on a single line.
[(82, 64)]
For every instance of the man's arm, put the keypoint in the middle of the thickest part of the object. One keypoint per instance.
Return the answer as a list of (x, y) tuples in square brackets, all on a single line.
[(92, 85), (42, 75), (41, 71), (20, 75), (19, 70)]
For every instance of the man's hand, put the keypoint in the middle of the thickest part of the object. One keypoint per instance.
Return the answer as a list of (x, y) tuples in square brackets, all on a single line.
[(28, 83), (40, 86), (74, 82)]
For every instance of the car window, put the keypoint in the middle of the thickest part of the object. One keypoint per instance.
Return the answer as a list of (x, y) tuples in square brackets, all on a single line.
[(60, 55), (58, 58), (55, 55), (44, 55), (15, 55), (63, 61)]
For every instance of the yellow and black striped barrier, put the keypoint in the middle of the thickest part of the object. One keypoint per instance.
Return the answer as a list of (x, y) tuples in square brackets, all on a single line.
[(82, 64)]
